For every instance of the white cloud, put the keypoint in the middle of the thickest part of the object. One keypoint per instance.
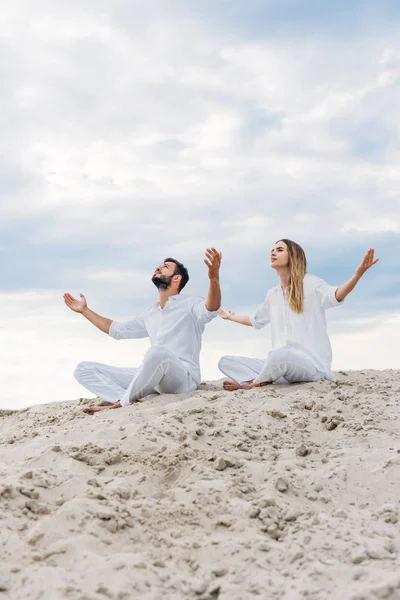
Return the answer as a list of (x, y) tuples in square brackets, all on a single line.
[(118, 278), (376, 346), (376, 224), (103, 99)]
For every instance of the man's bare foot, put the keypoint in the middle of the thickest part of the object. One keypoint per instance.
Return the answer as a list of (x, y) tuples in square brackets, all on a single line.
[(90, 410)]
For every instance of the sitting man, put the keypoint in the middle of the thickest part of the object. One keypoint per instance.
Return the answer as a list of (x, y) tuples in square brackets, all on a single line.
[(174, 325)]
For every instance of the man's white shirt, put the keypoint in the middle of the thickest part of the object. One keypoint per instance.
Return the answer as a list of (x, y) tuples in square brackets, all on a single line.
[(178, 326), (306, 332)]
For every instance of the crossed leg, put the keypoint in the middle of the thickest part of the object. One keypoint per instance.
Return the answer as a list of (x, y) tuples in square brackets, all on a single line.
[(282, 364), (105, 381), (160, 372), (241, 370)]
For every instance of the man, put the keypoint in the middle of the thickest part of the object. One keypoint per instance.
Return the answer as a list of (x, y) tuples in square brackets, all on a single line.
[(174, 325)]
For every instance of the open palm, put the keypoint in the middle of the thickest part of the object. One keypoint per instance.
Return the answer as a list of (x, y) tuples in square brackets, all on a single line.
[(213, 262), (368, 262), (74, 304), (226, 315)]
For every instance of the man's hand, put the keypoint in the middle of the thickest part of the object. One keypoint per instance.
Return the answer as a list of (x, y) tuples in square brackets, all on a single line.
[(75, 305), (367, 263), (80, 306), (213, 262)]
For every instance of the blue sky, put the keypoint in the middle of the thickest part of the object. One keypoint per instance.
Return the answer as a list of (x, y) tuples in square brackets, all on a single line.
[(131, 132)]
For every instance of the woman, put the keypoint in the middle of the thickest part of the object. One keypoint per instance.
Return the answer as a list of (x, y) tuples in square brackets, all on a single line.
[(301, 349)]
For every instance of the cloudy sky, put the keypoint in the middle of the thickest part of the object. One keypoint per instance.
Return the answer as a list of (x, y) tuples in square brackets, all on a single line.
[(131, 131)]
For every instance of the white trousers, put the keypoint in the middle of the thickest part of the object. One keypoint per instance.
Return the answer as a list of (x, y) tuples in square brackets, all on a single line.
[(160, 372), (282, 365)]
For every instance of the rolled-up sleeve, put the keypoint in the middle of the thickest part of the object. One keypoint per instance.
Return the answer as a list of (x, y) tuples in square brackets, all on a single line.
[(326, 294), (261, 317), (134, 328), (201, 312)]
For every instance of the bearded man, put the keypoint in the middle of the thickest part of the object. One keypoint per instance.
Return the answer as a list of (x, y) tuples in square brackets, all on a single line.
[(174, 324)]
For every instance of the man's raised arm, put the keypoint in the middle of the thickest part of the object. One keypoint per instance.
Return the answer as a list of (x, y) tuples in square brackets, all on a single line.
[(213, 262), (80, 306)]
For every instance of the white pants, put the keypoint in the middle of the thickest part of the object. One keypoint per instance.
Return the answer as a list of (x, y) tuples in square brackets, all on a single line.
[(282, 365), (160, 372)]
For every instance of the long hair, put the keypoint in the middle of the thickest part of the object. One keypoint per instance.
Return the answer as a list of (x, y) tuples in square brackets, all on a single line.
[(297, 268)]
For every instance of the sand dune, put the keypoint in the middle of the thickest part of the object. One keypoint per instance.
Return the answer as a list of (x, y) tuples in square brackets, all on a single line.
[(286, 492)]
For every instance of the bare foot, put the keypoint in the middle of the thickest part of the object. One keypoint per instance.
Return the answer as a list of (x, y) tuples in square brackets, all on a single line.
[(231, 386), (90, 410)]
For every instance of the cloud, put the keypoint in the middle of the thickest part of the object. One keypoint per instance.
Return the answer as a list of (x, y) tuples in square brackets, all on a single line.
[(170, 121), (372, 225)]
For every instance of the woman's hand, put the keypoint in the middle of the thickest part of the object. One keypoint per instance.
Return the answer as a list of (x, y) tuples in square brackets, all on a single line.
[(344, 290), (231, 316), (227, 316), (368, 262)]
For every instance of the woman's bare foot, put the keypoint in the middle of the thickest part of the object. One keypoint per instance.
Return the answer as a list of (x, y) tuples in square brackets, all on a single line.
[(231, 386)]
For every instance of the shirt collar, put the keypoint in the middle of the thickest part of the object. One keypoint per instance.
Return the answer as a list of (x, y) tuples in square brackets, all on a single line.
[(171, 298)]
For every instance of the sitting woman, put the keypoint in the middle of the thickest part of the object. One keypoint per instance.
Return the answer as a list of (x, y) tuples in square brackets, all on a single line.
[(301, 349)]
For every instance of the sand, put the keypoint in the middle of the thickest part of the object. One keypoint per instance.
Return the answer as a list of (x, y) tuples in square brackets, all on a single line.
[(283, 492)]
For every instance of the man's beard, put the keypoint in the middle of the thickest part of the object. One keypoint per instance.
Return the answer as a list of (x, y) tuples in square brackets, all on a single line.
[(162, 282)]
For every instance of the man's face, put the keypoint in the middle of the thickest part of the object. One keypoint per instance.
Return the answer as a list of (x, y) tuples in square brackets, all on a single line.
[(163, 275)]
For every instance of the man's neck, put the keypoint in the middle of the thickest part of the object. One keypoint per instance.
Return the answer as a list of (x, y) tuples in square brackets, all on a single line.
[(284, 276), (165, 295)]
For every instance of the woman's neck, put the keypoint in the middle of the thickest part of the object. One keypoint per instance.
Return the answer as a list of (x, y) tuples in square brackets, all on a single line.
[(284, 276)]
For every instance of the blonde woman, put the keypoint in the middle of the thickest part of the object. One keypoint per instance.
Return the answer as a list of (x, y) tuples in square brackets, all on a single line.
[(295, 308)]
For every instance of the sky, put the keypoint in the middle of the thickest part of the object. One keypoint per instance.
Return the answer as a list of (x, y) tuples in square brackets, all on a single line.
[(133, 131)]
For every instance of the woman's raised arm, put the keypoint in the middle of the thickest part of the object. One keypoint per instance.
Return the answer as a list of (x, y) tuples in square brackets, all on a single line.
[(345, 289)]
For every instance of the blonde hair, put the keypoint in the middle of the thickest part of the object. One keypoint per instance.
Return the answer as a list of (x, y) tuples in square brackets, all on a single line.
[(297, 268)]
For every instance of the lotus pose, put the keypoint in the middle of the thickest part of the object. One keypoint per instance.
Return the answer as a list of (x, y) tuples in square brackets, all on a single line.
[(174, 325), (295, 308)]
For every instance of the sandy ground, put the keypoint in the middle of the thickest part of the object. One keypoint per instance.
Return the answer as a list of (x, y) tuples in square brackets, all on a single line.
[(285, 492)]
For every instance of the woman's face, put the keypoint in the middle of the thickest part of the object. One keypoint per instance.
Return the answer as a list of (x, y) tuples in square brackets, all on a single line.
[(279, 256)]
